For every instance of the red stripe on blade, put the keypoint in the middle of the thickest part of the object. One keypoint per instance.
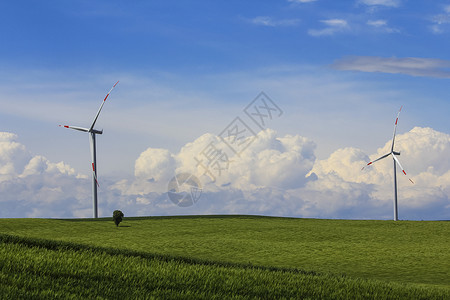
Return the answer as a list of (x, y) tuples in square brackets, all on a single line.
[(66, 126), (369, 163), (93, 168), (404, 172)]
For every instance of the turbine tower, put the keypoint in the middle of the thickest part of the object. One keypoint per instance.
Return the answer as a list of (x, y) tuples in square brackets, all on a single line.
[(92, 132), (396, 161)]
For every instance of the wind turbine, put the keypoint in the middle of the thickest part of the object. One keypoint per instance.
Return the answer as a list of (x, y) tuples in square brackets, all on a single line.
[(396, 161), (92, 132)]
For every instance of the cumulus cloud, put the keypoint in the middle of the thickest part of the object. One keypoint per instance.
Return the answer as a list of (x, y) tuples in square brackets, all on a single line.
[(332, 26), (281, 176), (274, 175), (269, 160), (414, 66), (422, 155), (422, 152), (13, 156), (32, 186), (154, 164)]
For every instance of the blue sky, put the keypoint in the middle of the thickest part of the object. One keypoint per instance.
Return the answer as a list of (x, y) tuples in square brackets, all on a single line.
[(340, 70), (215, 37), (208, 36)]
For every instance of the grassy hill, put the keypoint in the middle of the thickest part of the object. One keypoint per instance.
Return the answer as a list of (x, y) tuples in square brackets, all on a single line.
[(212, 256)]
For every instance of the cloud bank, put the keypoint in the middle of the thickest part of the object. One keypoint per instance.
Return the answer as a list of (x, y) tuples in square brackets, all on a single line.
[(281, 176), (32, 186), (275, 175)]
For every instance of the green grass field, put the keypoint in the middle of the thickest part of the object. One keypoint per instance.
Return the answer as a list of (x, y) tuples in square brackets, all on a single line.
[(209, 256)]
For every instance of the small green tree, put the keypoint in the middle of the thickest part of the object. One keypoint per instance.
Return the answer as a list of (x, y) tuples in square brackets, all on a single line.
[(117, 217)]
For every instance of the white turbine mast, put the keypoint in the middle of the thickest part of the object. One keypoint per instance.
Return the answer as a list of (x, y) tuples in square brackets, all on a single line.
[(396, 161), (92, 132)]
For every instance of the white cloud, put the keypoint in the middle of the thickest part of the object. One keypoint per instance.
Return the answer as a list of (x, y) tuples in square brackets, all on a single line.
[(447, 9), (335, 22), (377, 23), (436, 29), (268, 161), (154, 164), (32, 186), (268, 21), (440, 21), (345, 163), (382, 25), (271, 161), (275, 175), (39, 165), (425, 148), (13, 156), (413, 66), (390, 3), (422, 155), (280, 176), (334, 26)]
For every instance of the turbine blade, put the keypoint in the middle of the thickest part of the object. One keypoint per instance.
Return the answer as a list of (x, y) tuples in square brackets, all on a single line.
[(395, 128), (398, 162), (95, 174), (93, 159), (101, 106), (379, 158), (75, 127)]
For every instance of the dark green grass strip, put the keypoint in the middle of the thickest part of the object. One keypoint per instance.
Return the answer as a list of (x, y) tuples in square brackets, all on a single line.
[(34, 268), (62, 245)]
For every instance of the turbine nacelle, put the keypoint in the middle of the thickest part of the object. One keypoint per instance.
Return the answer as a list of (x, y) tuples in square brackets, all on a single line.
[(101, 131)]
